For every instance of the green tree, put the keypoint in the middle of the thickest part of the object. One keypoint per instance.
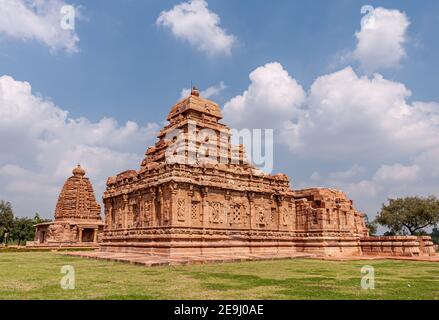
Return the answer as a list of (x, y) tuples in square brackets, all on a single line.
[(23, 230), (37, 219), (6, 219), (410, 215), (371, 226)]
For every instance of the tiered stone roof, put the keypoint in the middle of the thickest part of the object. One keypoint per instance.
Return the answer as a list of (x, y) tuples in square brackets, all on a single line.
[(193, 109), (232, 169), (77, 200)]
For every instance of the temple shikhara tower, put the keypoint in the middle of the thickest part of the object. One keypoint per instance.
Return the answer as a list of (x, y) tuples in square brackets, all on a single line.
[(175, 207), (77, 216)]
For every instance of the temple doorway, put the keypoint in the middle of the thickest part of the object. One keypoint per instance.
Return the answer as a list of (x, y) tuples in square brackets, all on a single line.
[(42, 236), (88, 235)]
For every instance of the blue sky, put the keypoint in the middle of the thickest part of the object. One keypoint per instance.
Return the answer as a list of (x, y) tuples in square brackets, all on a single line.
[(129, 68)]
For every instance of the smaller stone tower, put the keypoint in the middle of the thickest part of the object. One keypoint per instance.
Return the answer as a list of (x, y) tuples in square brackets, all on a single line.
[(77, 216)]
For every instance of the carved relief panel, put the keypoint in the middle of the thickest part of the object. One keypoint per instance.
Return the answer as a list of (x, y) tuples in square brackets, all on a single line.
[(147, 213), (274, 216), (261, 213), (301, 212), (215, 211), (181, 209), (214, 208), (133, 213), (166, 210), (238, 213), (196, 213), (119, 212), (314, 218)]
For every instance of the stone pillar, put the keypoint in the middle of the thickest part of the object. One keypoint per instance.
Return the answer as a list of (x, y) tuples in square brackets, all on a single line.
[(95, 235), (278, 199), (160, 211), (173, 220), (188, 214), (153, 208), (228, 208), (251, 197), (80, 234), (338, 217), (205, 207), (109, 215), (143, 221), (125, 211)]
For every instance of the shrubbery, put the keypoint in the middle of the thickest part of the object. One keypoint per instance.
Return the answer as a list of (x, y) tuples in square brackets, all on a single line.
[(16, 230)]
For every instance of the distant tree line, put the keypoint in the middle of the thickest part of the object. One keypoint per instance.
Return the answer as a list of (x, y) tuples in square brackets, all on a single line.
[(14, 229), (409, 216)]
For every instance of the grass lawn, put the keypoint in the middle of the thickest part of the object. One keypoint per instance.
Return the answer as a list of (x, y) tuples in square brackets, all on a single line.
[(36, 275)]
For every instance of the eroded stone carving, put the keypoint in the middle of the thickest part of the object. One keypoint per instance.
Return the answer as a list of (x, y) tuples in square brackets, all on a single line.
[(228, 207), (77, 216)]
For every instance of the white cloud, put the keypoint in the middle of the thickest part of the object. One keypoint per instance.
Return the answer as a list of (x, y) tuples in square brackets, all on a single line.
[(396, 173), (353, 172), (208, 93), (430, 109), (347, 116), (396, 180), (372, 188), (362, 190), (41, 144), (388, 144), (38, 20), (342, 116), (380, 42), (428, 161), (272, 97), (193, 22)]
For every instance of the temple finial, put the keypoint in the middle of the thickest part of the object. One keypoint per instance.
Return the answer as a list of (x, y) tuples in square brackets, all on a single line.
[(78, 171), (195, 92)]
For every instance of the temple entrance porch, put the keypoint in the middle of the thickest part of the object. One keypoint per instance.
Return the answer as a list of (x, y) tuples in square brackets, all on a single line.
[(67, 234), (42, 238), (88, 235)]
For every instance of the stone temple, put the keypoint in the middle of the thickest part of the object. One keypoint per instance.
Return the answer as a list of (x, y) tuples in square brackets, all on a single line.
[(77, 217), (184, 209)]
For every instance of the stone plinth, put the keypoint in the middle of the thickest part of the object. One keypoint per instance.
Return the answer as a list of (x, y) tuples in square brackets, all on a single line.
[(398, 246)]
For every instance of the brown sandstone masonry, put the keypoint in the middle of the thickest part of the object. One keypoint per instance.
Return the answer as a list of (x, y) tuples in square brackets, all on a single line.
[(77, 217), (180, 209)]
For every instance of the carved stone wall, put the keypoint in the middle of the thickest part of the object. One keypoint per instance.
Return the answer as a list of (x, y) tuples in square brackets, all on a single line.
[(181, 206)]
